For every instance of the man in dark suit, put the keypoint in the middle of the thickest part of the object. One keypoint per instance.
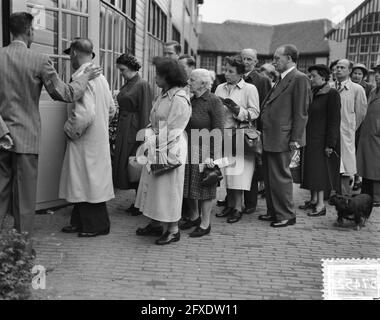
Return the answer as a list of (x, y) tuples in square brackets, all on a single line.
[(263, 85), (23, 73), (283, 118)]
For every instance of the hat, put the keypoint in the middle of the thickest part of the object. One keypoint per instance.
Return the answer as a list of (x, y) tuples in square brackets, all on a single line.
[(323, 70), (82, 45), (377, 67), (360, 66)]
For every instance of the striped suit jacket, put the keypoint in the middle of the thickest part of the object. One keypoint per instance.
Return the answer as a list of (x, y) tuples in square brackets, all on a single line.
[(23, 73)]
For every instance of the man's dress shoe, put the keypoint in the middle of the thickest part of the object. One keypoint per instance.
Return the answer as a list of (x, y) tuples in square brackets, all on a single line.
[(249, 210), (284, 223), (267, 218)]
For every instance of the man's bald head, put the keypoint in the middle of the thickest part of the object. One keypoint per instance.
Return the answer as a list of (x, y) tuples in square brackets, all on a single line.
[(346, 62), (249, 57), (343, 70)]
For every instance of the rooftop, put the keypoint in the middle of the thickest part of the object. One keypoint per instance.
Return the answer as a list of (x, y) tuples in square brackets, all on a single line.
[(232, 36)]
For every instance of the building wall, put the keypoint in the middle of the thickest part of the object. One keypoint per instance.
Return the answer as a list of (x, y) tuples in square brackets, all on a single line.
[(141, 26)]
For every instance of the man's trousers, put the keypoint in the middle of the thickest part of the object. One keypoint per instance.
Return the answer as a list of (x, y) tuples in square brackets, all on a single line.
[(18, 188)]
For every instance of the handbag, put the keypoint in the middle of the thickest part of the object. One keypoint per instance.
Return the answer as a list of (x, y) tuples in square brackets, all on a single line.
[(160, 169), (134, 170), (252, 139), (211, 177)]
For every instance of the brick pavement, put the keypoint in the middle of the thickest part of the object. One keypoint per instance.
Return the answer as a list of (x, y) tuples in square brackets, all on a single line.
[(248, 260)]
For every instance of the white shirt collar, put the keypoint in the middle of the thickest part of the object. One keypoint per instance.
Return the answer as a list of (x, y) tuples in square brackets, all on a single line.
[(285, 73), (19, 41)]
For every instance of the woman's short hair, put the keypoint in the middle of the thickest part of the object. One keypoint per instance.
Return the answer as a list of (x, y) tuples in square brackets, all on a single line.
[(129, 61), (237, 62), (171, 70)]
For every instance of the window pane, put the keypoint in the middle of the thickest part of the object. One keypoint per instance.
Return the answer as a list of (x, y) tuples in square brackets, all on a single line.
[(46, 39), (109, 68), (115, 85), (116, 34), (102, 27), (123, 36), (75, 5), (109, 18), (45, 3)]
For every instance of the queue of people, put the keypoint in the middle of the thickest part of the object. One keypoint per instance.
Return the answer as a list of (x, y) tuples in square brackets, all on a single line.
[(321, 115)]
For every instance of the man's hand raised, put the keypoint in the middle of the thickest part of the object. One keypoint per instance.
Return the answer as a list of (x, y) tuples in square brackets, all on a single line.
[(92, 72)]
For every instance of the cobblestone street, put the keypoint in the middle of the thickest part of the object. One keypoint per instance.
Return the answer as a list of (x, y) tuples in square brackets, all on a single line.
[(248, 260)]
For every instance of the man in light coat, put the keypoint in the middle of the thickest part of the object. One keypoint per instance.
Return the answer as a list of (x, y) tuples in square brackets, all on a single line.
[(354, 109), (86, 178), (23, 73)]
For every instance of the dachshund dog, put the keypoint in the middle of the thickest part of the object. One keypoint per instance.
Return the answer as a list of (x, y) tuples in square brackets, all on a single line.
[(358, 209)]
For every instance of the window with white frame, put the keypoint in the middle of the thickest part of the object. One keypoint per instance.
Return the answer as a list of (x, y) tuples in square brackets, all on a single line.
[(117, 36), (57, 22), (208, 62)]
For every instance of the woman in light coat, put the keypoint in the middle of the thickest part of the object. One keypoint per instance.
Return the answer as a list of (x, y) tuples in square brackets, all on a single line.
[(159, 197), (241, 103), (86, 178)]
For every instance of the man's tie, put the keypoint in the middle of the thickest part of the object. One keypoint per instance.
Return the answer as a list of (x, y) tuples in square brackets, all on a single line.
[(339, 86), (278, 82)]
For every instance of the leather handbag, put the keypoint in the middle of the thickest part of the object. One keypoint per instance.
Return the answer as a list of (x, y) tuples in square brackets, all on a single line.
[(160, 169), (252, 139), (211, 177)]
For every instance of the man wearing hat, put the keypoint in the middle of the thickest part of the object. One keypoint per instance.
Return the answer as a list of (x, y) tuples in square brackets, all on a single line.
[(86, 178), (353, 111), (368, 154), (23, 74)]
